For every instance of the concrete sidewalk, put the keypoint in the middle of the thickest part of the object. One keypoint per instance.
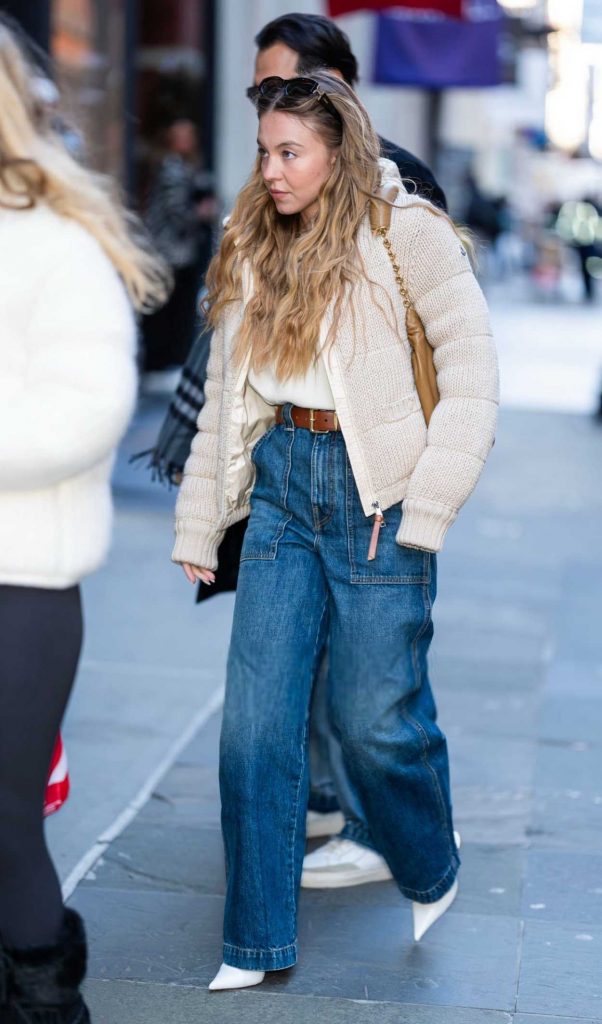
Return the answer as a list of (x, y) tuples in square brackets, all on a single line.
[(517, 670)]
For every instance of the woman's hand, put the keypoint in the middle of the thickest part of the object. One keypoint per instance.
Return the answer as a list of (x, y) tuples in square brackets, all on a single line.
[(195, 572)]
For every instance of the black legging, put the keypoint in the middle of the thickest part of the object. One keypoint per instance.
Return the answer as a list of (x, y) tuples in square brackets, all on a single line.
[(40, 642)]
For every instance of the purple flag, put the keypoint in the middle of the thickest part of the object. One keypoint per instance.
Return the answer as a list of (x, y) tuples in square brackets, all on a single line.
[(438, 52)]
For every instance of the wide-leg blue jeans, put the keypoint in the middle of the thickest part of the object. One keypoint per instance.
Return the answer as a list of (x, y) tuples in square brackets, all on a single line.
[(304, 579)]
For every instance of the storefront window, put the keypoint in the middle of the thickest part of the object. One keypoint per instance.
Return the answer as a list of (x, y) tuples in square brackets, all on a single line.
[(88, 46)]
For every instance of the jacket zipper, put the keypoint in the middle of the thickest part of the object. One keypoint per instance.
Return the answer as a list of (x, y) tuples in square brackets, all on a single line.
[(379, 522)]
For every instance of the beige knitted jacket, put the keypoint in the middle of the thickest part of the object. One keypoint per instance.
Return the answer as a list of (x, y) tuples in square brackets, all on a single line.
[(393, 456)]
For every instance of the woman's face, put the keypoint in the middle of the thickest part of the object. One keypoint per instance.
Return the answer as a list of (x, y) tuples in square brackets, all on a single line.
[(295, 163)]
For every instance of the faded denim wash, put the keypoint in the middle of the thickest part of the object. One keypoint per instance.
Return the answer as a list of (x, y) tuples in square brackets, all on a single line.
[(305, 580)]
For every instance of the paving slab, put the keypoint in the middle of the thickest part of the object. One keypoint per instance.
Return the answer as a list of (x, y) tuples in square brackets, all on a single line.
[(535, 1018), (560, 970), (138, 1003), (563, 886), (569, 677), (506, 714), (190, 793), (474, 671), (497, 762), (572, 765), (154, 856), (486, 815), (566, 819), (574, 721)]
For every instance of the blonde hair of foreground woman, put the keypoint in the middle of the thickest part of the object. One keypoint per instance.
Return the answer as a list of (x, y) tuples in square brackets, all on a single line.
[(298, 273), (35, 165)]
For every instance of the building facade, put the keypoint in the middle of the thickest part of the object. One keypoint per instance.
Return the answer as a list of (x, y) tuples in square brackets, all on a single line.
[(125, 69)]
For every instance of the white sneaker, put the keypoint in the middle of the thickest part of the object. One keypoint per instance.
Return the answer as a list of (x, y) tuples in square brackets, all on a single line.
[(340, 863), (317, 824)]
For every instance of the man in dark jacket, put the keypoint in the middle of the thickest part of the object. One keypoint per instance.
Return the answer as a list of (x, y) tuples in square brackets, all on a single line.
[(294, 45)]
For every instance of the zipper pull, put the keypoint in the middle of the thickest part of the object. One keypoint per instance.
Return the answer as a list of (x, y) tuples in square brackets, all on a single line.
[(379, 522)]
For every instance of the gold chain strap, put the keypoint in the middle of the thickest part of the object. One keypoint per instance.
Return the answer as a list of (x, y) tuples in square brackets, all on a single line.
[(403, 291)]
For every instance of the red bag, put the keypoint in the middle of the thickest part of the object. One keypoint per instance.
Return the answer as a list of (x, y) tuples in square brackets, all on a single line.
[(57, 787)]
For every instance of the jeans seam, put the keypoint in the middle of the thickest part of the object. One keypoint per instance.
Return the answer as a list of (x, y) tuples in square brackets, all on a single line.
[(318, 521), (408, 581), (414, 723), (433, 774), (428, 608), (312, 483), (420, 633), (287, 473), (348, 503), (292, 890)]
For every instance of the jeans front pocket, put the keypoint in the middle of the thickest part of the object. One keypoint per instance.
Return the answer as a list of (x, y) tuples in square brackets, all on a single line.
[(267, 524), (268, 519), (393, 563)]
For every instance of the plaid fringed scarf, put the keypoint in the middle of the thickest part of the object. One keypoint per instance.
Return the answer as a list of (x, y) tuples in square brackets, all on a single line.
[(168, 456)]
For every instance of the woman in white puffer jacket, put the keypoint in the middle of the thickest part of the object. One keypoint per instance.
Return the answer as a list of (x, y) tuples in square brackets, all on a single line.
[(69, 274)]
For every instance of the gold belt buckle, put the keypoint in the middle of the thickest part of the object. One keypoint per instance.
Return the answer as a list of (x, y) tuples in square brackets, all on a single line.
[(312, 418)]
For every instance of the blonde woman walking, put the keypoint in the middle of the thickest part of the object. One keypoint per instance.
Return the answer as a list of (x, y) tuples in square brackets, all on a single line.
[(313, 423), (69, 273)]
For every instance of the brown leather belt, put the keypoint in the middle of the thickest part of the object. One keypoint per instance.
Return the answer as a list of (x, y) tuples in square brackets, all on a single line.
[(319, 421)]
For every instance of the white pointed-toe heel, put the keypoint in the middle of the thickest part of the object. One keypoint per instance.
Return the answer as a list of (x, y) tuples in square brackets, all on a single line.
[(233, 977), (424, 915)]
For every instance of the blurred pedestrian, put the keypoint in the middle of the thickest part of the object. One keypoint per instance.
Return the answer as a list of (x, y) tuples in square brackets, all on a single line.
[(68, 386), (312, 423), (180, 216), (586, 242), (289, 46)]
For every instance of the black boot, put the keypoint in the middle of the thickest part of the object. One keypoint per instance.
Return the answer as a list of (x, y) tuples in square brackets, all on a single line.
[(44, 981)]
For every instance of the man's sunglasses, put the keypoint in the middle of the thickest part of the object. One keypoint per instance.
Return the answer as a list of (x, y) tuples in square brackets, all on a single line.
[(275, 88)]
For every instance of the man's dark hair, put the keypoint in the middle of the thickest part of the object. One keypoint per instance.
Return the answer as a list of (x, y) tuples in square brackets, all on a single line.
[(317, 40)]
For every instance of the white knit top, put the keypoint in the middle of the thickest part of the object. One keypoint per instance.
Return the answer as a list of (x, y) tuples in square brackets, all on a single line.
[(310, 391)]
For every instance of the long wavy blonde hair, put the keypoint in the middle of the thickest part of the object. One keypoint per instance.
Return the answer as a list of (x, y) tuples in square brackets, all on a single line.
[(35, 166), (297, 272)]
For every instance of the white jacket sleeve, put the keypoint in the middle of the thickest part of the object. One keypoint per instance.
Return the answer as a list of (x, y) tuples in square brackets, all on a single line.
[(68, 405), (461, 430)]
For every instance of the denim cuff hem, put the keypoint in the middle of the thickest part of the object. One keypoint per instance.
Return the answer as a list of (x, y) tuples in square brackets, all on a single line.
[(260, 959), (358, 833), (322, 803), (436, 891)]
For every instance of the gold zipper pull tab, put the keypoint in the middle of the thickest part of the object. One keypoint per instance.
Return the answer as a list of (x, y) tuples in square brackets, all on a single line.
[(379, 522)]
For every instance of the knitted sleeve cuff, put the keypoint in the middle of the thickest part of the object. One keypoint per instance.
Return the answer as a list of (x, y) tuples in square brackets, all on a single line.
[(197, 543), (424, 524)]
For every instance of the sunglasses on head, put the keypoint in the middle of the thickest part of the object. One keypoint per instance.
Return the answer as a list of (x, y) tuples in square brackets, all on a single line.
[(275, 88)]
